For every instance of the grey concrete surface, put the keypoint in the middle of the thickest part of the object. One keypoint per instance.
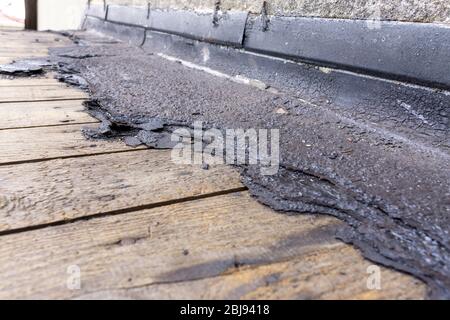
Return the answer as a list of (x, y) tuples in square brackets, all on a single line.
[(400, 10)]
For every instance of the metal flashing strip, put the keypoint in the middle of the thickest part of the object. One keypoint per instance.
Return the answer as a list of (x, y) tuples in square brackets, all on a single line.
[(215, 27), (410, 52), (223, 27), (413, 52)]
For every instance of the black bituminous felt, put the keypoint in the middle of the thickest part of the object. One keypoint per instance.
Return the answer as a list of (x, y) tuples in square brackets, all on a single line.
[(416, 113), (24, 68), (392, 193)]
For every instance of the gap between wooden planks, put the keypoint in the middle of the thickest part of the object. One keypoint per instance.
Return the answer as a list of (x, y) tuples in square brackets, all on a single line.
[(50, 191)]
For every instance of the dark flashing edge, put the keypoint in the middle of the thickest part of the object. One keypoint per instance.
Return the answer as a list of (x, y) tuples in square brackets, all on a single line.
[(225, 28), (404, 51), (408, 52)]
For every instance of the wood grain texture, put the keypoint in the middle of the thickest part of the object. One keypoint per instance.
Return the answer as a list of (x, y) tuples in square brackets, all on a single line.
[(6, 59), (326, 272), (225, 247), (47, 113), (31, 144), (51, 191), (42, 93), (31, 38), (12, 46), (27, 49), (47, 80), (18, 45), (28, 44), (23, 50)]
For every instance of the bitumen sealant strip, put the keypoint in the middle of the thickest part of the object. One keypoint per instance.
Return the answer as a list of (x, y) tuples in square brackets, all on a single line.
[(372, 152)]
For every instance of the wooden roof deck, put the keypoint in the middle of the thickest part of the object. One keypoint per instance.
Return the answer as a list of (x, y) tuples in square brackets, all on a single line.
[(135, 225)]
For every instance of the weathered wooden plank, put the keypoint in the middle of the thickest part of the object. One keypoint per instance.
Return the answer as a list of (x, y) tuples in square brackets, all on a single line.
[(51, 191), (7, 58), (23, 49), (24, 54), (18, 45), (31, 36), (31, 144), (10, 50), (32, 82), (42, 93), (330, 273), (25, 46), (33, 43), (47, 113), (221, 247), (14, 46)]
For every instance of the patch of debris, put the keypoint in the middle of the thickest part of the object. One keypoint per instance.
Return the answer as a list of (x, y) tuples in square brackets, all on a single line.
[(153, 133), (24, 67)]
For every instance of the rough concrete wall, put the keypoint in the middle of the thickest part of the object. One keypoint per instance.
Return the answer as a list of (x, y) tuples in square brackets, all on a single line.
[(401, 10)]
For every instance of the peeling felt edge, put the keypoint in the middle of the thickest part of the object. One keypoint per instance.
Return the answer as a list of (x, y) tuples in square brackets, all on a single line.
[(412, 52), (23, 67)]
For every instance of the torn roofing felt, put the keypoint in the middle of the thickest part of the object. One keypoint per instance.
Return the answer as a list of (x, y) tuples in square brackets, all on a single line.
[(369, 151), (24, 67)]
